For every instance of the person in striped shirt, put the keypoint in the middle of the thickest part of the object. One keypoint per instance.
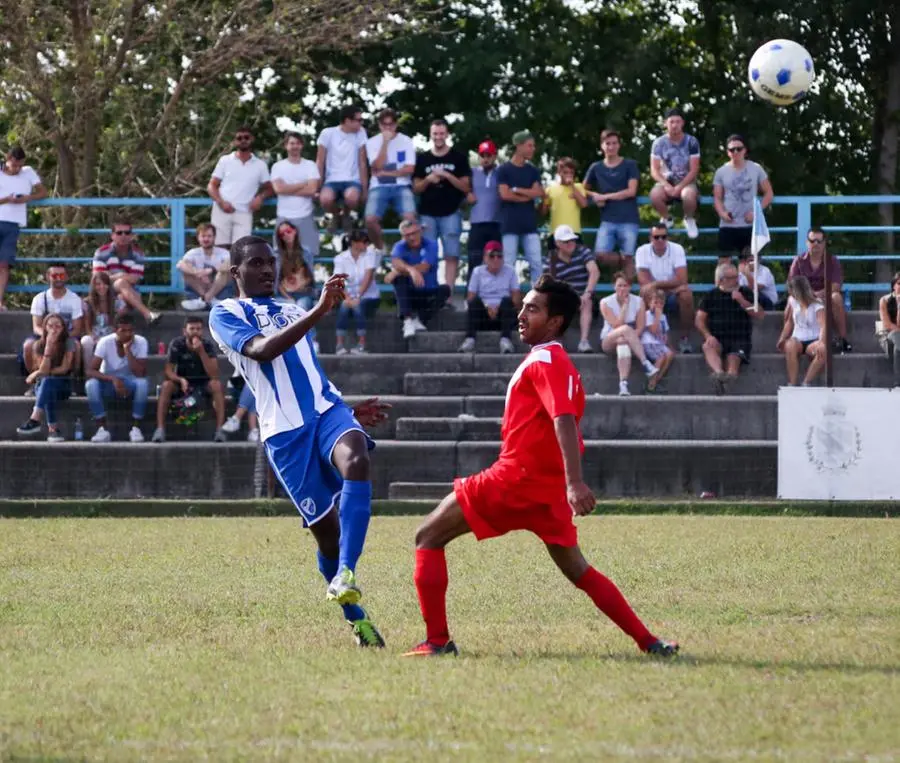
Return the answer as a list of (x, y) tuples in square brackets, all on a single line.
[(123, 262), (315, 443), (573, 263)]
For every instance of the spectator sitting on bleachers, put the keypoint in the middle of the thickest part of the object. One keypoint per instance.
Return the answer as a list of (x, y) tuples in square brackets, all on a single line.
[(573, 262), (206, 270), (494, 299), (811, 265), (124, 262), (655, 340), (623, 325), (53, 358), (118, 369), (359, 264), (60, 300), (191, 369), (296, 181), (724, 321), (246, 407), (484, 217), (296, 282), (662, 264), (888, 332), (519, 184), (674, 165), (100, 307), (735, 187), (747, 275), (414, 264), (803, 332), (238, 187), (565, 199), (19, 184), (612, 184)]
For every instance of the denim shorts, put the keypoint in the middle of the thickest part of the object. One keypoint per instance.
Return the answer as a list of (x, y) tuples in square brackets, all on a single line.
[(341, 187), (400, 197), (9, 236), (623, 234), (447, 229)]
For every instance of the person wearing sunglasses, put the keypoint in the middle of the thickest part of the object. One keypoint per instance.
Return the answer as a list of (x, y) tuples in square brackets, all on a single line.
[(494, 299), (662, 265), (123, 262), (341, 159), (811, 265), (735, 186)]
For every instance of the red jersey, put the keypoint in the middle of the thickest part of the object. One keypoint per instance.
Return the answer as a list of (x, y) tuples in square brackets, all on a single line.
[(546, 385)]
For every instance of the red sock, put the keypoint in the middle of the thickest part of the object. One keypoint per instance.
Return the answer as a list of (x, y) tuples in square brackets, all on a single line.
[(431, 584), (614, 605)]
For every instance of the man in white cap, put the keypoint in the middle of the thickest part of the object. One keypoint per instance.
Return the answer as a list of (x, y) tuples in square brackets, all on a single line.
[(574, 263)]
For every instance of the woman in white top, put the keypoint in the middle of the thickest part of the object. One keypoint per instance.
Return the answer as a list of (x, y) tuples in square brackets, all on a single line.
[(803, 332), (358, 264), (623, 324)]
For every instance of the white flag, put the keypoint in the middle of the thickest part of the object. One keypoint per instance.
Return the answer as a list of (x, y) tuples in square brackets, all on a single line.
[(760, 229)]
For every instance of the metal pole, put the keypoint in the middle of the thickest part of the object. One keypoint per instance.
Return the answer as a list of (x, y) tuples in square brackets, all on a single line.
[(829, 353)]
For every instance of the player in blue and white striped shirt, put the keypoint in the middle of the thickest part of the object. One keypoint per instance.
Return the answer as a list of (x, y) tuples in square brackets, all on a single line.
[(314, 441)]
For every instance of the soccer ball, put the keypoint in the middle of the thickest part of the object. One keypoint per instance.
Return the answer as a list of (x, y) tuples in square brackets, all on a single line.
[(781, 72)]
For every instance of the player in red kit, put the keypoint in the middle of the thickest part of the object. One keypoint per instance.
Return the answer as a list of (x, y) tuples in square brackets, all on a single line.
[(536, 484)]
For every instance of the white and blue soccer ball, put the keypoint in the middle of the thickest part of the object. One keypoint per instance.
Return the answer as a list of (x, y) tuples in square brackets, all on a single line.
[(781, 72)]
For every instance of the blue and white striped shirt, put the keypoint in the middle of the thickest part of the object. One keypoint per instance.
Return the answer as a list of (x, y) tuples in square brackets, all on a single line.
[(291, 390)]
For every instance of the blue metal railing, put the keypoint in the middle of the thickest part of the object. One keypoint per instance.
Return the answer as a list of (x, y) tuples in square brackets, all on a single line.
[(175, 211)]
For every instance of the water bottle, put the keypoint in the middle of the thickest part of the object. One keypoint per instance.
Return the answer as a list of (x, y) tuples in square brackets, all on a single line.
[(161, 348), (79, 430)]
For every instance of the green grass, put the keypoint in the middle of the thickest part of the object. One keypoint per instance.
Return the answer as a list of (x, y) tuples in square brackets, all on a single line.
[(191, 639)]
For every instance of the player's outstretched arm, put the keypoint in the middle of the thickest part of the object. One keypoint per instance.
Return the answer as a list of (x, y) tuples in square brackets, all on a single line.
[(264, 349), (579, 495)]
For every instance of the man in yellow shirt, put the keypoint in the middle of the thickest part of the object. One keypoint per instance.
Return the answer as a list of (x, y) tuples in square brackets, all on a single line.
[(565, 200)]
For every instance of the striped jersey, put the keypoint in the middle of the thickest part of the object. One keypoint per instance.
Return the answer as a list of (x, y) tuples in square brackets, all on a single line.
[(292, 390), (107, 259)]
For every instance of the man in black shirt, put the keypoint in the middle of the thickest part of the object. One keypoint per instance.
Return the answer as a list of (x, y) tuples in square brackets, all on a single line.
[(443, 179), (724, 320), (192, 369)]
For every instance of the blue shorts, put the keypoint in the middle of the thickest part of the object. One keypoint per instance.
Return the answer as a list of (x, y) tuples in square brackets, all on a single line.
[(9, 236), (623, 234), (400, 197), (301, 459), (339, 188)]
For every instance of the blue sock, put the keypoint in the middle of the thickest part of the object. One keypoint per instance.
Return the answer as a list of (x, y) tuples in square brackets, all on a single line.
[(356, 509), (329, 568)]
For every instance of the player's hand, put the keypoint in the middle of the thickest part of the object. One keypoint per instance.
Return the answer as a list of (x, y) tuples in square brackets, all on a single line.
[(371, 412), (779, 345), (194, 344), (333, 292), (748, 217), (417, 278), (185, 386), (580, 498), (226, 206), (711, 343), (256, 204), (119, 385), (33, 377)]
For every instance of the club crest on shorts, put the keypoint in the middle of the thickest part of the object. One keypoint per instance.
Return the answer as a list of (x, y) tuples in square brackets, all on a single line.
[(308, 507)]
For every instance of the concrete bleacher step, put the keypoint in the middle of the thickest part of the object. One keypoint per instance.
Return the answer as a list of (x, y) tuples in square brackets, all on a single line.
[(419, 491), (688, 376), (609, 417), (15, 410), (730, 469)]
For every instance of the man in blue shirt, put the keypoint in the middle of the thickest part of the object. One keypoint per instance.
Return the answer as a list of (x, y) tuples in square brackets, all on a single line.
[(484, 217), (519, 183), (414, 263), (314, 441)]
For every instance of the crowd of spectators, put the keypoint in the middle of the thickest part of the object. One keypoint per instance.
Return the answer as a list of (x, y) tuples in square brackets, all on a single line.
[(358, 180)]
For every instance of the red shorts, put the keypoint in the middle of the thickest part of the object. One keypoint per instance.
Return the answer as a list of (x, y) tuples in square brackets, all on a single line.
[(495, 502)]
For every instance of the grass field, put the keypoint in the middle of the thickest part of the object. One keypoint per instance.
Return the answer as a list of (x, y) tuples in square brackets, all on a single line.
[(191, 639)]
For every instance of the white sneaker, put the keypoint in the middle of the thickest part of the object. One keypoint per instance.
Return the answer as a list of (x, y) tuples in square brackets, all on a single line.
[(585, 346), (623, 389), (668, 222), (409, 328), (102, 435), (342, 351), (135, 435), (690, 225), (468, 345), (192, 305), (55, 436), (231, 425), (650, 369), (418, 325), (159, 435), (506, 345), (359, 350), (253, 435)]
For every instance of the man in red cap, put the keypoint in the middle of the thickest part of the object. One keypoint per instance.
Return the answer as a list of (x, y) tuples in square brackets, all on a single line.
[(493, 298), (485, 200)]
